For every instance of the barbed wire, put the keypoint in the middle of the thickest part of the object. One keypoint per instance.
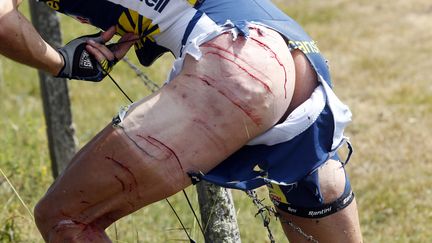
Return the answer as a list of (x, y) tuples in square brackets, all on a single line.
[(150, 84), (266, 212)]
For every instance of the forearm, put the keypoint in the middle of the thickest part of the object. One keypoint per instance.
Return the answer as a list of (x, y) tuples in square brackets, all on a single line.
[(21, 42)]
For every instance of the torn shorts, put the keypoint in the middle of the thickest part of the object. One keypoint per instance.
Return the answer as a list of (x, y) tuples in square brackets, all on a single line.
[(287, 154), (286, 158)]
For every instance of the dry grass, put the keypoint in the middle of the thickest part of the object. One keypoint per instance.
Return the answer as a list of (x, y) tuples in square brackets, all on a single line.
[(379, 53)]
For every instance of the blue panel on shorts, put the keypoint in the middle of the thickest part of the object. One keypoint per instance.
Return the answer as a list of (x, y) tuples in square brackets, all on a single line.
[(286, 162)]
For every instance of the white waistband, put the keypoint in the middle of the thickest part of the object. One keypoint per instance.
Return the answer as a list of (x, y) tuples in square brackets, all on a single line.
[(297, 122)]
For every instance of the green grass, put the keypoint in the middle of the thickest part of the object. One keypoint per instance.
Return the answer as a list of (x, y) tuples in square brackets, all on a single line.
[(379, 54)]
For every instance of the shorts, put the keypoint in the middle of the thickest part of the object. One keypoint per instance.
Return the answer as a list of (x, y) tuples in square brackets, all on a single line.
[(289, 168), (304, 198), (287, 152)]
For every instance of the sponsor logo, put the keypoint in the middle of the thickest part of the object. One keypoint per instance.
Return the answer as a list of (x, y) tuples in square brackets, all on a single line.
[(275, 197), (320, 212), (292, 210), (346, 200), (85, 61), (157, 5), (54, 4), (305, 46)]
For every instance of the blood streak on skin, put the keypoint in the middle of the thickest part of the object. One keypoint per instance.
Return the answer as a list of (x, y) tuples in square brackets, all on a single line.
[(242, 68), (244, 107), (265, 46), (121, 182), (234, 54), (125, 168), (258, 30), (153, 141)]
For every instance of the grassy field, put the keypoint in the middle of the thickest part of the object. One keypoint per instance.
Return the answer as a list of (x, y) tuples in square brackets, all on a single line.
[(380, 58)]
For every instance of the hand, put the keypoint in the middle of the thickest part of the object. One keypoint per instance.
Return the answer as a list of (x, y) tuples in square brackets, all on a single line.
[(111, 52), (88, 58)]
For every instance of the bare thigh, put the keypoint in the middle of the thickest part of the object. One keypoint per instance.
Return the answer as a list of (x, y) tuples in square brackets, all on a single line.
[(236, 91), (342, 226)]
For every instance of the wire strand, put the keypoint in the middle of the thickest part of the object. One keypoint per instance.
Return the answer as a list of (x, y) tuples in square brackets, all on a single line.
[(166, 199), (181, 222), (118, 86), (193, 211)]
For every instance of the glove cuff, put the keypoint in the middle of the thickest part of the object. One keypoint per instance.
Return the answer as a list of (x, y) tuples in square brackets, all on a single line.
[(66, 65)]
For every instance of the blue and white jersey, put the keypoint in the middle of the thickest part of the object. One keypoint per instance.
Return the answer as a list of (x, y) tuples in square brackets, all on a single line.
[(160, 23), (168, 25)]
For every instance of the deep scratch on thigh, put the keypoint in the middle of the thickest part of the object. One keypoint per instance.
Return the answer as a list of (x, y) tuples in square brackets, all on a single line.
[(244, 107), (261, 44), (218, 47), (275, 56), (266, 87), (127, 170), (161, 146), (121, 182)]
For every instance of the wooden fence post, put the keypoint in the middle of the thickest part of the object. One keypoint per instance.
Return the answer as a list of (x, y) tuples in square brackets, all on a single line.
[(217, 214), (55, 95)]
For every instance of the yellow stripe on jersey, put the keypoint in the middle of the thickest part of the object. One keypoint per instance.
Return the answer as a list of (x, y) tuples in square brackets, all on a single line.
[(152, 30), (131, 22), (128, 20), (192, 2)]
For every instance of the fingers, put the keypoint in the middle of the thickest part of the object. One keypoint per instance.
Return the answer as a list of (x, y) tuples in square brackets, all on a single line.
[(116, 51), (107, 35), (123, 45), (99, 51), (97, 48)]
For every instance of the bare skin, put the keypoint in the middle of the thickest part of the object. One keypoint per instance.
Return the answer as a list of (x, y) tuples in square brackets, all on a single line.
[(219, 102), (24, 44)]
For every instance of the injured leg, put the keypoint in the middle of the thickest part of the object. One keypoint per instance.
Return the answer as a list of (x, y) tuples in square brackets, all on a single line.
[(187, 126)]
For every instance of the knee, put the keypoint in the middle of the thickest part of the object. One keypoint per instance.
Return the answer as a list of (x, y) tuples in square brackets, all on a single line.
[(331, 180), (40, 215), (54, 226), (44, 215)]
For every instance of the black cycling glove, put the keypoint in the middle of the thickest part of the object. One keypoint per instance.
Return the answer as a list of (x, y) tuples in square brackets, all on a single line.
[(79, 64)]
